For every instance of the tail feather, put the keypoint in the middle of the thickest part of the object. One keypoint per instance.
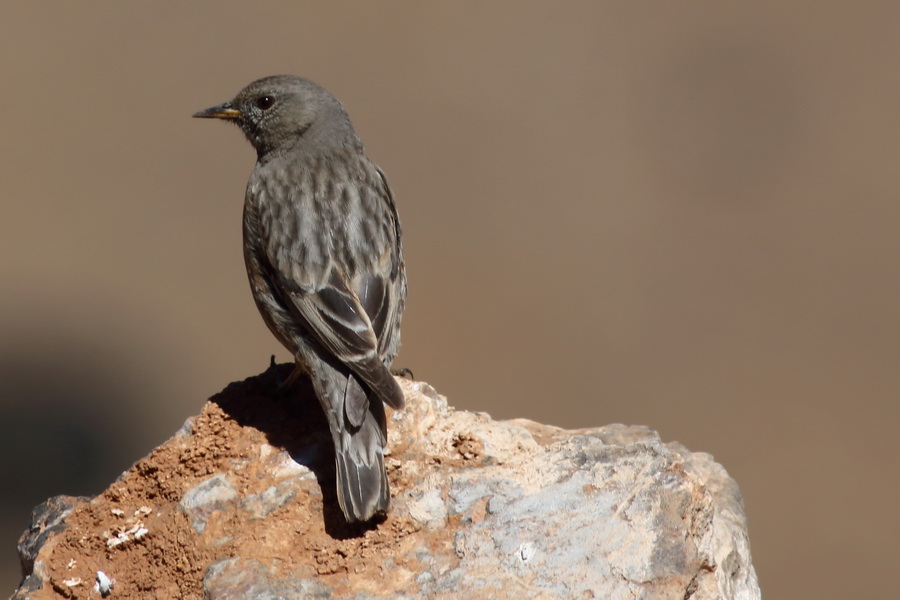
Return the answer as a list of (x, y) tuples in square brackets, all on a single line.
[(362, 489), (362, 483)]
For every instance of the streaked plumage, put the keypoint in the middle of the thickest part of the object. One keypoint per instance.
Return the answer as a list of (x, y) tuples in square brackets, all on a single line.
[(323, 254)]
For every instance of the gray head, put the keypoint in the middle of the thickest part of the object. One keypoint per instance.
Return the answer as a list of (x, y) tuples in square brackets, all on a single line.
[(280, 112)]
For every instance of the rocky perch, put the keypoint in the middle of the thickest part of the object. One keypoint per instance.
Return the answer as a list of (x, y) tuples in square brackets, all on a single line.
[(239, 505)]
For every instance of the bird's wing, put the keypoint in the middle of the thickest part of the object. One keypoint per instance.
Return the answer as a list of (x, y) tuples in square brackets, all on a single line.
[(383, 293), (336, 318), (347, 317)]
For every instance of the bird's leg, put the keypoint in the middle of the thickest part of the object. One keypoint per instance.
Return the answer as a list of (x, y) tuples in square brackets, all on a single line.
[(293, 377), (403, 372), (299, 369)]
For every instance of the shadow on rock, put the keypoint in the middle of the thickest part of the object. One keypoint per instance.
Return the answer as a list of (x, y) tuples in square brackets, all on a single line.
[(292, 420)]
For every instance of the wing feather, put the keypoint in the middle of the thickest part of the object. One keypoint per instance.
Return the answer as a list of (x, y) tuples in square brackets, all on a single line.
[(350, 314)]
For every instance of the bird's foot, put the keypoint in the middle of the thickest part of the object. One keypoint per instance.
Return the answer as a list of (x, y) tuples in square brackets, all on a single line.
[(404, 373), (288, 383), (282, 384)]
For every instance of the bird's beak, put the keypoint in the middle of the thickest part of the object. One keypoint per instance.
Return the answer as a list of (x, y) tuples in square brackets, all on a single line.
[(222, 111)]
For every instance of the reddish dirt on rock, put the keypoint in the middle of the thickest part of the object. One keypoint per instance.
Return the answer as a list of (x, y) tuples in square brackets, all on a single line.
[(136, 533)]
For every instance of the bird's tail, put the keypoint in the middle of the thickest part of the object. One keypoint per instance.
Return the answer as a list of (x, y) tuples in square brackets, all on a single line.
[(362, 483)]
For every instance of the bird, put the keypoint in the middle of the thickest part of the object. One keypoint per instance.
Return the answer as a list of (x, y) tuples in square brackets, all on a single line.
[(323, 251)]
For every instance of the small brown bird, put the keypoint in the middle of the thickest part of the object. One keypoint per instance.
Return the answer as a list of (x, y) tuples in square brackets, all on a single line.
[(323, 253)]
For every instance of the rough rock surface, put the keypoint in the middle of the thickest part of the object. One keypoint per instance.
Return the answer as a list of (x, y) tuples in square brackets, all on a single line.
[(239, 505)]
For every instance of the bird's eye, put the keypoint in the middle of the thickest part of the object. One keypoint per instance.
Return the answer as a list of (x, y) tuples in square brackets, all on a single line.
[(265, 102)]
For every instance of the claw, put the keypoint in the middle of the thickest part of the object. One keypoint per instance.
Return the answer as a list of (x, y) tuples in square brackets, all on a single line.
[(403, 372), (293, 377)]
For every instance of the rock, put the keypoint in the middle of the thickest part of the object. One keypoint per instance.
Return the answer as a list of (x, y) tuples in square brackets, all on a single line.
[(207, 497), (240, 504), (47, 520)]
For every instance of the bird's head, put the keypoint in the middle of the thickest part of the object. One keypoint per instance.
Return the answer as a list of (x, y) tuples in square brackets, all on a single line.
[(282, 111)]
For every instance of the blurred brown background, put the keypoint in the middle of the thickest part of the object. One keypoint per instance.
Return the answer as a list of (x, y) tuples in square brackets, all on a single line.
[(683, 215)]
